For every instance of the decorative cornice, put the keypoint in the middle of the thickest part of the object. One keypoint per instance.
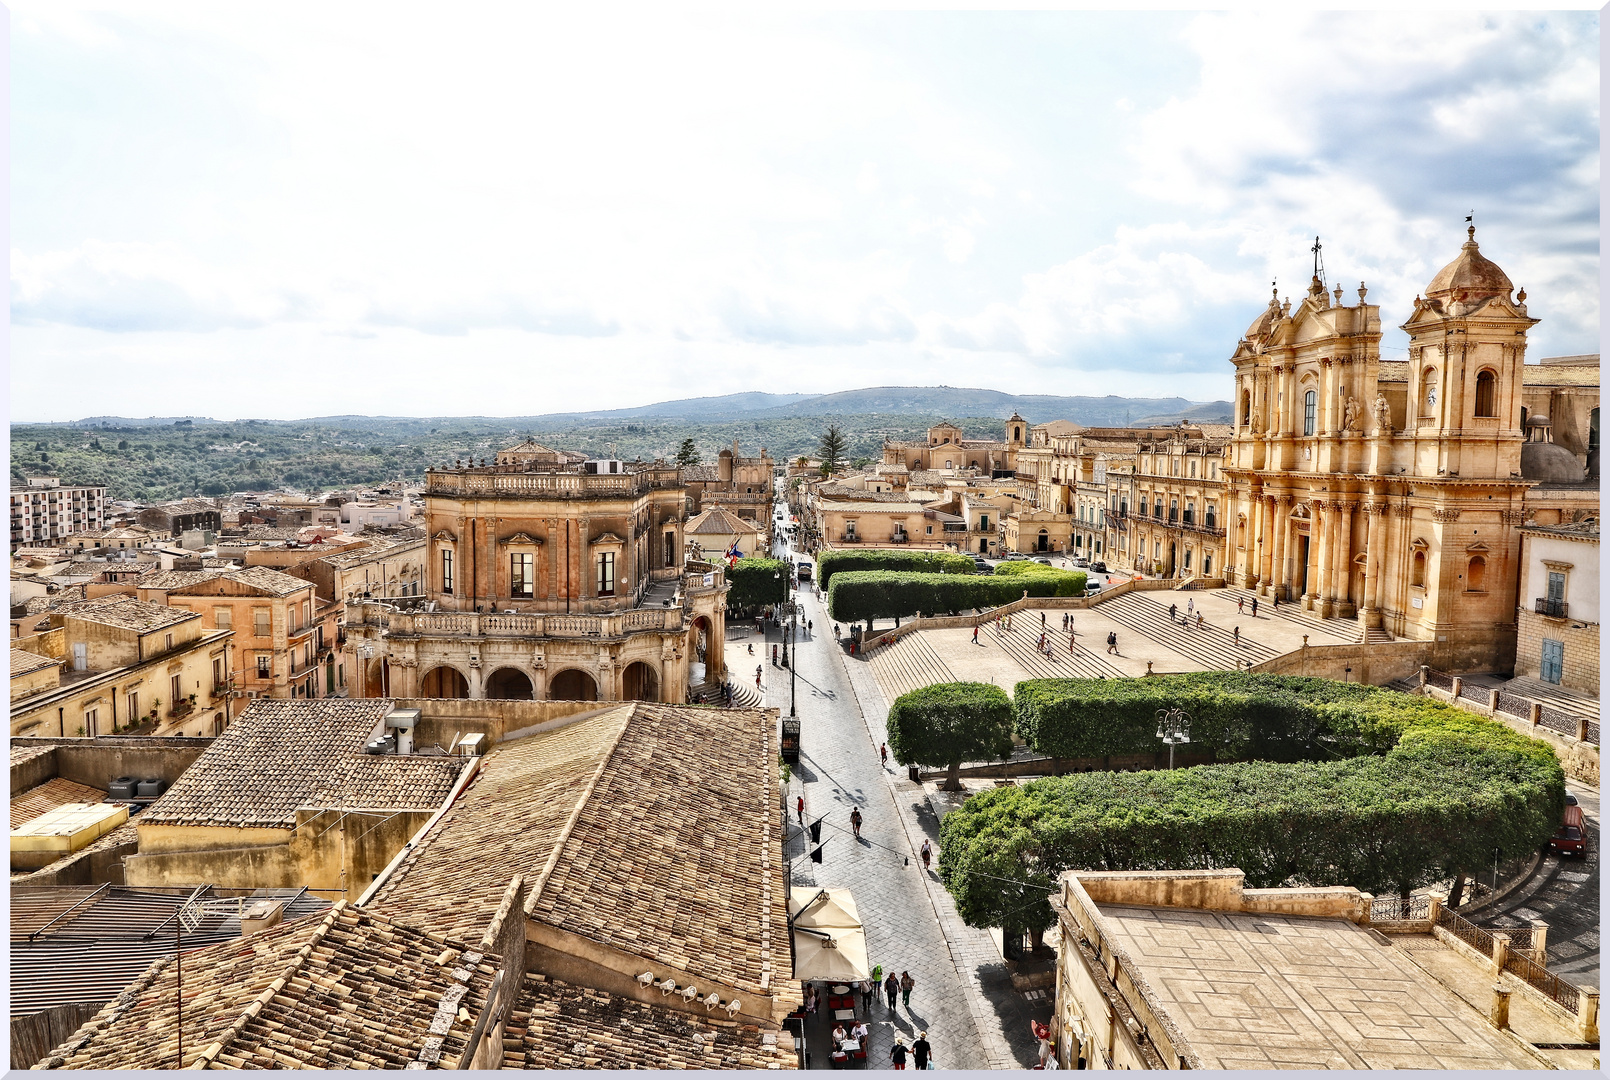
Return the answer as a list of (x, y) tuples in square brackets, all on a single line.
[(1376, 508), (1514, 517), (1554, 564), (1445, 514)]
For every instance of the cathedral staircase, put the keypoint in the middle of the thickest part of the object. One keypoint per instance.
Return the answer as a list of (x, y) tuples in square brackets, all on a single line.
[(744, 696), (1374, 635)]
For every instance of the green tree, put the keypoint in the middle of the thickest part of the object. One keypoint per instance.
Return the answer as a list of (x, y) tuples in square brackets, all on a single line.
[(832, 449), (861, 463), (949, 723), (688, 454), (757, 582)]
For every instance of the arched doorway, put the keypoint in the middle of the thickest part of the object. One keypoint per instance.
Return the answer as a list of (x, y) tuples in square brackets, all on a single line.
[(572, 684), (444, 682), (640, 682), (509, 684), (1045, 541), (374, 678)]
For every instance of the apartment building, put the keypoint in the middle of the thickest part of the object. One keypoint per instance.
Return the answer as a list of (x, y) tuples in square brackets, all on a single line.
[(43, 511)]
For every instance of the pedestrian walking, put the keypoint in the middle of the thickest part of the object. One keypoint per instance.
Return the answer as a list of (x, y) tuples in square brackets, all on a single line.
[(1173, 613), (927, 852), (1236, 636), (866, 996), (975, 633), (1254, 607), (855, 821), (897, 1053), (800, 808), (1066, 619), (921, 1051), (1112, 642), (883, 754), (1042, 619), (1199, 620), (891, 989), (1241, 605), (1277, 601), (1190, 607), (906, 983)]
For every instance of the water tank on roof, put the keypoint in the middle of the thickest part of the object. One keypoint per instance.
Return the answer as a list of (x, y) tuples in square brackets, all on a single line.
[(121, 788), (149, 789)]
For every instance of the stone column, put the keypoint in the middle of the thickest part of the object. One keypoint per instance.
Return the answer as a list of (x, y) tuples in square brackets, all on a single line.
[(1373, 562), (1327, 424), (1499, 1012), (1282, 520), (1271, 526), (1587, 1014), (1254, 534), (477, 680), (1324, 523), (1342, 576), (1315, 535)]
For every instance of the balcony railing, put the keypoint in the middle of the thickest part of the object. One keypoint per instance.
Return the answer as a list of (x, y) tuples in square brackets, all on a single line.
[(472, 624), (1554, 609)]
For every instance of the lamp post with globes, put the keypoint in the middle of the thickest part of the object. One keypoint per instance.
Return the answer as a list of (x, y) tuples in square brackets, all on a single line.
[(1173, 727)]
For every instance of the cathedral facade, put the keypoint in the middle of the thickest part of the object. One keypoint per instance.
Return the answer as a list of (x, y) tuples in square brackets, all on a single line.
[(1393, 491)]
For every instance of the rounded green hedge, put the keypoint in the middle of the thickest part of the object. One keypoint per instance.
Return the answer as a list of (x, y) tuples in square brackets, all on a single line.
[(946, 724), (829, 563), (857, 595), (1434, 792)]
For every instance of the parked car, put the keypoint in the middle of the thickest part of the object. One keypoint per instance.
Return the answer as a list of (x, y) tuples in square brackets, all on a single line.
[(1014, 556), (1043, 562), (1572, 839), (1092, 588), (1081, 562), (1099, 567)]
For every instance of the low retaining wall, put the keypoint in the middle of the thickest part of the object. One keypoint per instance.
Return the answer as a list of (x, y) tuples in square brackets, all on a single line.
[(965, 622), (1377, 663)]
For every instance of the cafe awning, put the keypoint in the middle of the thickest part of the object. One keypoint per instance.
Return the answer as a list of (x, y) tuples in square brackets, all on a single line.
[(829, 943)]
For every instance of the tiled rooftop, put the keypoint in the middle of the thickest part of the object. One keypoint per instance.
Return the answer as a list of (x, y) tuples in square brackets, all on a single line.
[(705, 894), (24, 663), (558, 1026), (270, 581), (281, 755), (127, 612), (168, 580), (349, 989), (43, 798), (22, 753)]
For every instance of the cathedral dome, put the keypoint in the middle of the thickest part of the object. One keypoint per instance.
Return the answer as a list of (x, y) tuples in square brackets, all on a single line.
[(1472, 274), (1265, 322), (1546, 461)]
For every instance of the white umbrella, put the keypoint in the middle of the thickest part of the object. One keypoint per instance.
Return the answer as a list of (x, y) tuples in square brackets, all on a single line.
[(829, 943)]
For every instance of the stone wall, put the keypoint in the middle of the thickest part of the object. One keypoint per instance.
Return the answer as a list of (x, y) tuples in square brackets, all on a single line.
[(442, 719), (1581, 640), (1376, 664), (97, 762)]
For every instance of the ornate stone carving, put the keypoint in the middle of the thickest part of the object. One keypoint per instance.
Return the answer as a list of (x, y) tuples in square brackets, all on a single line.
[(1383, 414), (1350, 415), (1445, 514), (1402, 511), (1514, 517), (1284, 500), (1376, 508), (1344, 507)]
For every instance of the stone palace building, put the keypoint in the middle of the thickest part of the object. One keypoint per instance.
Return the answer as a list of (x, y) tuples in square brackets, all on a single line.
[(1394, 491), (549, 578)]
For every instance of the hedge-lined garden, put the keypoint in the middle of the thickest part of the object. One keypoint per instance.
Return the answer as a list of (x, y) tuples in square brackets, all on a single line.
[(829, 563), (756, 582), (858, 595), (1396, 792)]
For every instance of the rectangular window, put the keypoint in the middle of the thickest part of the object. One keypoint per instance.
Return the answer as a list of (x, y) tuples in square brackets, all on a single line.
[(222, 618), (1556, 586), (217, 674), (262, 666), (1310, 412), (134, 707), (983, 522), (447, 572), (92, 721), (261, 622), (606, 573), (522, 575), (670, 549), (175, 691), (167, 642)]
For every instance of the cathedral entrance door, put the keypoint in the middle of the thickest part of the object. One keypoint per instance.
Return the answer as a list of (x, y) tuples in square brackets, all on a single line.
[(1301, 577)]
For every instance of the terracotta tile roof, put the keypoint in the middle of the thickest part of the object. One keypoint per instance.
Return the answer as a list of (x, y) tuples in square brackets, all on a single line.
[(558, 1026), (20, 754), (281, 755), (24, 663), (707, 474), (705, 894), (127, 612), (517, 808), (349, 989), (169, 580), (270, 581), (43, 798)]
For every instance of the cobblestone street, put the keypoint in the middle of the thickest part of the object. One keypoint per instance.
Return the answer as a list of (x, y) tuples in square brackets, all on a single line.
[(963, 997), (1565, 894)]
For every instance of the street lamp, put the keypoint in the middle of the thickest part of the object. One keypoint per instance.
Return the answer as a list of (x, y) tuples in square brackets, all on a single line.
[(1173, 727)]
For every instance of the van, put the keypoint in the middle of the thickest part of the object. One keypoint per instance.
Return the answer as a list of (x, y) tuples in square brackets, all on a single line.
[(1572, 838), (805, 566)]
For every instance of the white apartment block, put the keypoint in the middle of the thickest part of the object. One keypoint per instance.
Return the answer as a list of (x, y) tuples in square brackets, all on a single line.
[(42, 510)]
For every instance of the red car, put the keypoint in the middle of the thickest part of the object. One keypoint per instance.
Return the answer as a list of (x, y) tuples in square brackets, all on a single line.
[(1572, 839)]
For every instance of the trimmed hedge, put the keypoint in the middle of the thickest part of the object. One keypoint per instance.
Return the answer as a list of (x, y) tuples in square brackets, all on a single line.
[(1069, 582), (1448, 790), (757, 582), (857, 595), (829, 563), (949, 723)]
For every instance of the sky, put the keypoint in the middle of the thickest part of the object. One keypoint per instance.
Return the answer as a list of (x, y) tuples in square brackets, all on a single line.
[(289, 210)]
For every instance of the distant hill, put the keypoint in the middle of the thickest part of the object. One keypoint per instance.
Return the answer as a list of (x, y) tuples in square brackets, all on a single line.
[(948, 401)]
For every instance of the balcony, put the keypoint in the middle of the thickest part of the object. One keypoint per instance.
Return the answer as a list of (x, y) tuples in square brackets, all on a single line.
[(1554, 609), (849, 538), (900, 538), (181, 709)]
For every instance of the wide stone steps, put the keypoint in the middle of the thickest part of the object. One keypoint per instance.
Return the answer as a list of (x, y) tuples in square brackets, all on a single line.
[(744, 695), (1293, 613), (1213, 646), (908, 664), (1022, 641)]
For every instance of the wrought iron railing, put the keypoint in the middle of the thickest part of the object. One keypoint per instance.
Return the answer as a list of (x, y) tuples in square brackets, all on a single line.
[(1554, 609), (1440, 679), (1514, 706), (1524, 967), (1556, 720), (1466, 931), (1400, 909), (1593, 732)]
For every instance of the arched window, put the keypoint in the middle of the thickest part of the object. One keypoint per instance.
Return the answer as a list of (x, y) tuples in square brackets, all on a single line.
[(1417, 574), (1310, 412), (1486, 393), (1246, 408), (1428, 392), (1476, 574)]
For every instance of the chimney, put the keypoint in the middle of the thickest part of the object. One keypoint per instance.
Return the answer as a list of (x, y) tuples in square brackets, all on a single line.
[(261, 915)]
